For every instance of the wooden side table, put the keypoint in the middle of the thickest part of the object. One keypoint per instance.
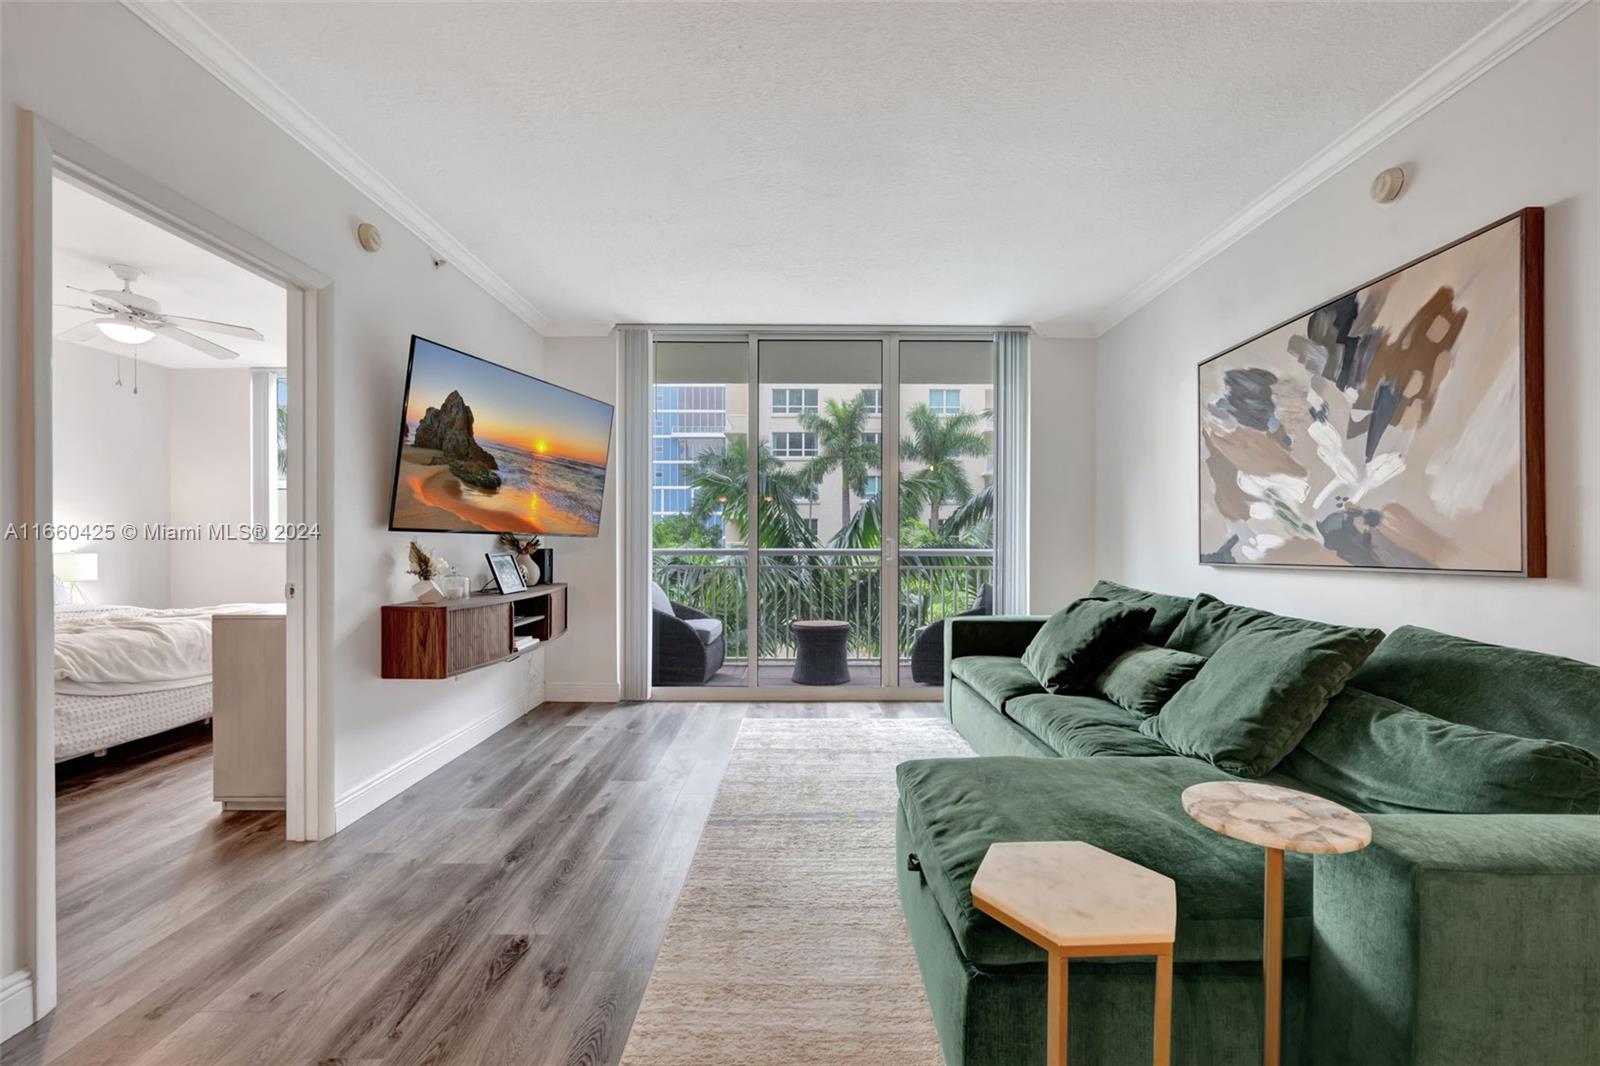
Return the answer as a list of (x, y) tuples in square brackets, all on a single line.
[(1076, 901), (1278, 819)]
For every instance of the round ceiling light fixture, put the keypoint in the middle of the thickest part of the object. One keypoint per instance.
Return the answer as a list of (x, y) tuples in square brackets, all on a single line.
[(124, 332), (1386, 186)]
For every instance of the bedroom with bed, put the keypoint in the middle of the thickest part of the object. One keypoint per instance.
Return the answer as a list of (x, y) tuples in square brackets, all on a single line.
[(169, 402)]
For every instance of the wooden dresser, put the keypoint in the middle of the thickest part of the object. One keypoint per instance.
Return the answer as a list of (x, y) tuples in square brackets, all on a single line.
[(248, 708), (438, 640)]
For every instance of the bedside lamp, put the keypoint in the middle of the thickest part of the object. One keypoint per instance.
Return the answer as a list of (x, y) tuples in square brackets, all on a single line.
[(74, 568)]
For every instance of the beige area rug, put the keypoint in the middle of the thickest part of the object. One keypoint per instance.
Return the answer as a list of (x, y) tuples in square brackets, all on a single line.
[(787, 944)]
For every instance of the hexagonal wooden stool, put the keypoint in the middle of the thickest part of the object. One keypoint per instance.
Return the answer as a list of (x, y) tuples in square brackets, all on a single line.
[(1076, 901)]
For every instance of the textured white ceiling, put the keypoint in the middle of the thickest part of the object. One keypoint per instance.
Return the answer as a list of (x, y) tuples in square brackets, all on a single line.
[(882, 163), (89, 234)]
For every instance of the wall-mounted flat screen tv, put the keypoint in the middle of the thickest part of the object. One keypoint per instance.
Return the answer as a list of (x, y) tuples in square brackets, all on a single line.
[(484, 449)]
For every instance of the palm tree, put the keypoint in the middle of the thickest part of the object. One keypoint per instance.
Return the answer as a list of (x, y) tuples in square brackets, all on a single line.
[(721, 480), (842, 445), (939, 443)]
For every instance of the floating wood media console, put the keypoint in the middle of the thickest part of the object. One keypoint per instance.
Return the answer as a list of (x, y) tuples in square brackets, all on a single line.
[(434, 640)]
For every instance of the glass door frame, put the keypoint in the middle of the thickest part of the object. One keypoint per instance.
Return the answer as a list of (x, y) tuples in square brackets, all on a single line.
[(890, 687)]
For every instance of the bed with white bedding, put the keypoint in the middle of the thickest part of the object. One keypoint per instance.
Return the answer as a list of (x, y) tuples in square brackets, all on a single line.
[(122, 673)]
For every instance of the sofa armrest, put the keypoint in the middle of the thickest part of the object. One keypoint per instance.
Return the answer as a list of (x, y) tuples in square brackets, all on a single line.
[(989, 635), (1459, 938)]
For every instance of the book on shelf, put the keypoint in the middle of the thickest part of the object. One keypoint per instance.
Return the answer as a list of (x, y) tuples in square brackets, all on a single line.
[(523, 643)]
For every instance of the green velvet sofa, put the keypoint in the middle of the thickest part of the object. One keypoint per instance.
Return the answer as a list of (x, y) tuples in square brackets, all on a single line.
[(1463, 938)]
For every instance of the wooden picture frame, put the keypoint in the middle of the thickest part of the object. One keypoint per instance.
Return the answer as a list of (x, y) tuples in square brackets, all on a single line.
[(1383, 429)]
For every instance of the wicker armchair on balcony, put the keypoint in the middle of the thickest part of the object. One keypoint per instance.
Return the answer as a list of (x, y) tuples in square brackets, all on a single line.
[(927, 651), (689, 645)]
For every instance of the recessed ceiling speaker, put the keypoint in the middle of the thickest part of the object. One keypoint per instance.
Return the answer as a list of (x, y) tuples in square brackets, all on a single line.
[(369, 236), (1386, 186)]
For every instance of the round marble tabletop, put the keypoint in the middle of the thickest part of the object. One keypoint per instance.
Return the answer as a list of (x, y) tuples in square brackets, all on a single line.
[(1275, 817)]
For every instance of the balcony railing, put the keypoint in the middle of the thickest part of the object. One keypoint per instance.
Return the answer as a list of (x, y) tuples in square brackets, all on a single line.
[(821, 583)]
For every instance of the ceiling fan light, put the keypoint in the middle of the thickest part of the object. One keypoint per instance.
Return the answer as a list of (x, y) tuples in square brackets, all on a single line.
[(124, 332)]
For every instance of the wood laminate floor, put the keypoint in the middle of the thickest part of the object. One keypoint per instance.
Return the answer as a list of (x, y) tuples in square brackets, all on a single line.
[(507, 909)]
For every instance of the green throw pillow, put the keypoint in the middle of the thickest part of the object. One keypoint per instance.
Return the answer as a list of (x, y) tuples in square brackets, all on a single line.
[(1384, 756), (1142, 679), (1078, 641), (1210, 623), (1169, 609), (1258, 695)]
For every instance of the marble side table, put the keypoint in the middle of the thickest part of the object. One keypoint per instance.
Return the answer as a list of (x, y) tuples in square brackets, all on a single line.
[(1077, 901), (1278, 819)]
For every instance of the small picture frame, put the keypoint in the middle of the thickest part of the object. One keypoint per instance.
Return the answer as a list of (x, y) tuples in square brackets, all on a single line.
[(506, 575)]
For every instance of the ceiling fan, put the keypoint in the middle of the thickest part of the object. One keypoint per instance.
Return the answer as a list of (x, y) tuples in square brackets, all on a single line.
[(123, 315)]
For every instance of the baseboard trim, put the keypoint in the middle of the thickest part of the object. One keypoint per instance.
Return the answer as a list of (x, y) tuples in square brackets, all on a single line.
[(582, 691), (16, 1003), (386, 784)]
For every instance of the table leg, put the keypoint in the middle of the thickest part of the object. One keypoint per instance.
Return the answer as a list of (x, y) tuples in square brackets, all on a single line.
[(1163, 1054), (1272, 955), (1056, 1012)]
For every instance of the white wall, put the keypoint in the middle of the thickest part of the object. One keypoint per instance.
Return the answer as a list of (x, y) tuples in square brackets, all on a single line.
[(588, 666), (1524, 134), (111, 466), (1061, 456), (211, 449), (73, 64)]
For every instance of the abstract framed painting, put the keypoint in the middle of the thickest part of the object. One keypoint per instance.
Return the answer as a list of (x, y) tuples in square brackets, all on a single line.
[(1399, 426)]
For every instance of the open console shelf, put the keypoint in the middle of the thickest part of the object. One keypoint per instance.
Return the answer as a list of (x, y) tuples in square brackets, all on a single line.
[(438, 640)]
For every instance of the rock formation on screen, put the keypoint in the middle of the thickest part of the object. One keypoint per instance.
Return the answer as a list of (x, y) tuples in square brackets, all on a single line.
[(448, 429)]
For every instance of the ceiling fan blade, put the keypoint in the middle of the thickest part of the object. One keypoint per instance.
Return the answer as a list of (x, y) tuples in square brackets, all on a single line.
[(213, 326), (75, 307), (183, 336), (103, 297), (87, 331)]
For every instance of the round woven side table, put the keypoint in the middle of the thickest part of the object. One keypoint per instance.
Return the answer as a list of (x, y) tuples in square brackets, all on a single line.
[(821, 652)]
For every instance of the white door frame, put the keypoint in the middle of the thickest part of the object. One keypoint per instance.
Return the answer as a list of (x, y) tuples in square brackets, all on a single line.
[(44, 151)]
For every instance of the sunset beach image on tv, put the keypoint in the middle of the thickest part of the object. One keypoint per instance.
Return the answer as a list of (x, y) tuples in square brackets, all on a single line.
[(484, 449)]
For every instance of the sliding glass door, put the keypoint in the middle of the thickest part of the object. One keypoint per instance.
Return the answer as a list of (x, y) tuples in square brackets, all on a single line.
[(819, 504)]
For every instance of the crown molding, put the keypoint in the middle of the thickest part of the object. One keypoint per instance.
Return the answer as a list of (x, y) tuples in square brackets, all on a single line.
[(1065, 329), (1491, 46), (183, 28), (580, 329)]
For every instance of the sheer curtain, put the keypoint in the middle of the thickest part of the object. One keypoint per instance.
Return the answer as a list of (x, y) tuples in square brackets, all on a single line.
[(633, 416), (1011, 471)]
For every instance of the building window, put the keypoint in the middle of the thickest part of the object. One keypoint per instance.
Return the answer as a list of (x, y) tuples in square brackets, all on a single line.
[(944, 401), (874, 438), (873, 487), (795, 445), (269, 476), (689, 421), (811, 524), (872, 399), (794, 401)]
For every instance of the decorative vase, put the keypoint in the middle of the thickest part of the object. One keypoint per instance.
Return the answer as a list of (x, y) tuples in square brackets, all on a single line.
[(427, 592)]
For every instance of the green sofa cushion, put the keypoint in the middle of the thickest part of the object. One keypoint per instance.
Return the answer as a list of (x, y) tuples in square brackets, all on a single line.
[(1258, 696), (1080, 639), (997, 678), (1078, 726), (1142, 679), (1506, 690), (1380, 755), (956, 808), (1169, 609), (1210, 623)]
